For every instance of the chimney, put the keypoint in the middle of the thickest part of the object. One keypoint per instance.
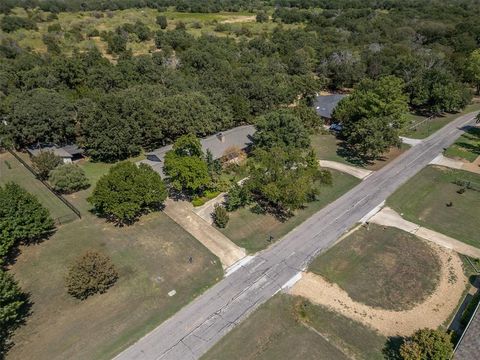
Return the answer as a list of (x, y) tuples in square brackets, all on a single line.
[(221, 137)]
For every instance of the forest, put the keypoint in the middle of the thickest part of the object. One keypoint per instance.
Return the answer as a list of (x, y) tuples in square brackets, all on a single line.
[(115, 103)]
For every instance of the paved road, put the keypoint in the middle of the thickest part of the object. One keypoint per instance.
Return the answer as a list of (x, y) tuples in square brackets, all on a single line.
[(199, 325)]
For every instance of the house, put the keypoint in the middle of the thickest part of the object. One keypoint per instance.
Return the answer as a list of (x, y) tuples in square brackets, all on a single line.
[(67, 153), (218, 144), (326, 104), (468, 347)]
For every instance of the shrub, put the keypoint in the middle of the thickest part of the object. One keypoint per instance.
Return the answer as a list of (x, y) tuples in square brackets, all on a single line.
[(220, 216), (162, 21), (45, 162), (261, 17), (68, 178), (237, 197), (90, 274)]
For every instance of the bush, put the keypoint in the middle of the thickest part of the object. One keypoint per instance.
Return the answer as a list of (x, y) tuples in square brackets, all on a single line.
[(90, 274), (220, 216), (45, 162), (261, 17), (237, 197), (162, 21), (68, 178), (13, 23)]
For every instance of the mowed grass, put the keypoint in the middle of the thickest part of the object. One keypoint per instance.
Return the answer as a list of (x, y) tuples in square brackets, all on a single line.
[(151, 258), (252, 231), (423, 200), (381, 267), (11, 170), (289, 328), (427, 128), (467, 146), (328, 147)]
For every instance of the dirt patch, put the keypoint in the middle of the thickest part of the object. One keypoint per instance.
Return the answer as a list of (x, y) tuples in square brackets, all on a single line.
[(239, 19), (431, 313)]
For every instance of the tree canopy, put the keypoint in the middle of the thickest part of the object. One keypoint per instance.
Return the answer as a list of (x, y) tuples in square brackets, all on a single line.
[(372, 116), (68, 178), (128, 191), (22, 218), (427, 344)]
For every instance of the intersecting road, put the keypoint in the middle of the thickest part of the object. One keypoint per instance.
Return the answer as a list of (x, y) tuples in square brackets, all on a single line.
[(193, 330)]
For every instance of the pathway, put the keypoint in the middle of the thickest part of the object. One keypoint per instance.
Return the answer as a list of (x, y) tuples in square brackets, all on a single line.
[(410, 141), (389, 217), (431, 313), (181, 212), (348, 169), (457, 164)]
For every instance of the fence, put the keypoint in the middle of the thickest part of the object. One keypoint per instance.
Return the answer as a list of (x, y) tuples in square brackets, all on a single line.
[(415, 125), (52, 190)]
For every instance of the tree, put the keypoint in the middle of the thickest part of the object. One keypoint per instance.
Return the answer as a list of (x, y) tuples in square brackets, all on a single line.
[(237, 197), (68, 178), (473, 69), (12, 307), (220, 216), (90, 274), (40, 116), (436, 90), (283, 179), (427, 344), (22, 218), (162, 21), (280, 128), (372, 116), (261, 16), (128, 191), (185, 166), (45, 162)]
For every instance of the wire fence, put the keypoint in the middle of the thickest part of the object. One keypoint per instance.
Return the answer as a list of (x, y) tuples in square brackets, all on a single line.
[(415, 125), (61, 219)]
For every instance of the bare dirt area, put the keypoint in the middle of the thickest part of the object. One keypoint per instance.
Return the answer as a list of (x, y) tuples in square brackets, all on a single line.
[(431, 313), (239, 19)]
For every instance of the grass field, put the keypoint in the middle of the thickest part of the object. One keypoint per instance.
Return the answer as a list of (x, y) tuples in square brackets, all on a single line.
[(467, 146), (427, 128), (196, 24), (251, 231), (381, 267), (327, 147), (423, 200), (12, 170), (289, 328), (152, 259)]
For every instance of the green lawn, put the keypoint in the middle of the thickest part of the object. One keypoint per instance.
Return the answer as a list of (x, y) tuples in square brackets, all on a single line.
[(152, 259), (12, 170), (467, 146), (423, 200), (382, 267), (427, 128), (251, 231), (327, 147), (289, 328)]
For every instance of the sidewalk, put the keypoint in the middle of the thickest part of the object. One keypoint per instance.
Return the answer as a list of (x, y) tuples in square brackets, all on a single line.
[(389, 217), (473, 167), (182, 213), (348, 169)]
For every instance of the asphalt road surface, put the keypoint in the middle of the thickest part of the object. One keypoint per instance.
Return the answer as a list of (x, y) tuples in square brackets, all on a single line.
[(193, 330)]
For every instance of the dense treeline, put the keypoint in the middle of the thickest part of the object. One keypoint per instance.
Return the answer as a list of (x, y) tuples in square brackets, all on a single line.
[(207, 84), (202, 6)]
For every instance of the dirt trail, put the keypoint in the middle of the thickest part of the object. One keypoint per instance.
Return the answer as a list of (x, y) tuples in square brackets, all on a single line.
[(435, 310), (239, 19)]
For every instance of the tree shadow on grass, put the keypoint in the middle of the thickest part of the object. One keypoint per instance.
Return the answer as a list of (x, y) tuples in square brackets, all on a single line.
[(391, 351), (348, 154)]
